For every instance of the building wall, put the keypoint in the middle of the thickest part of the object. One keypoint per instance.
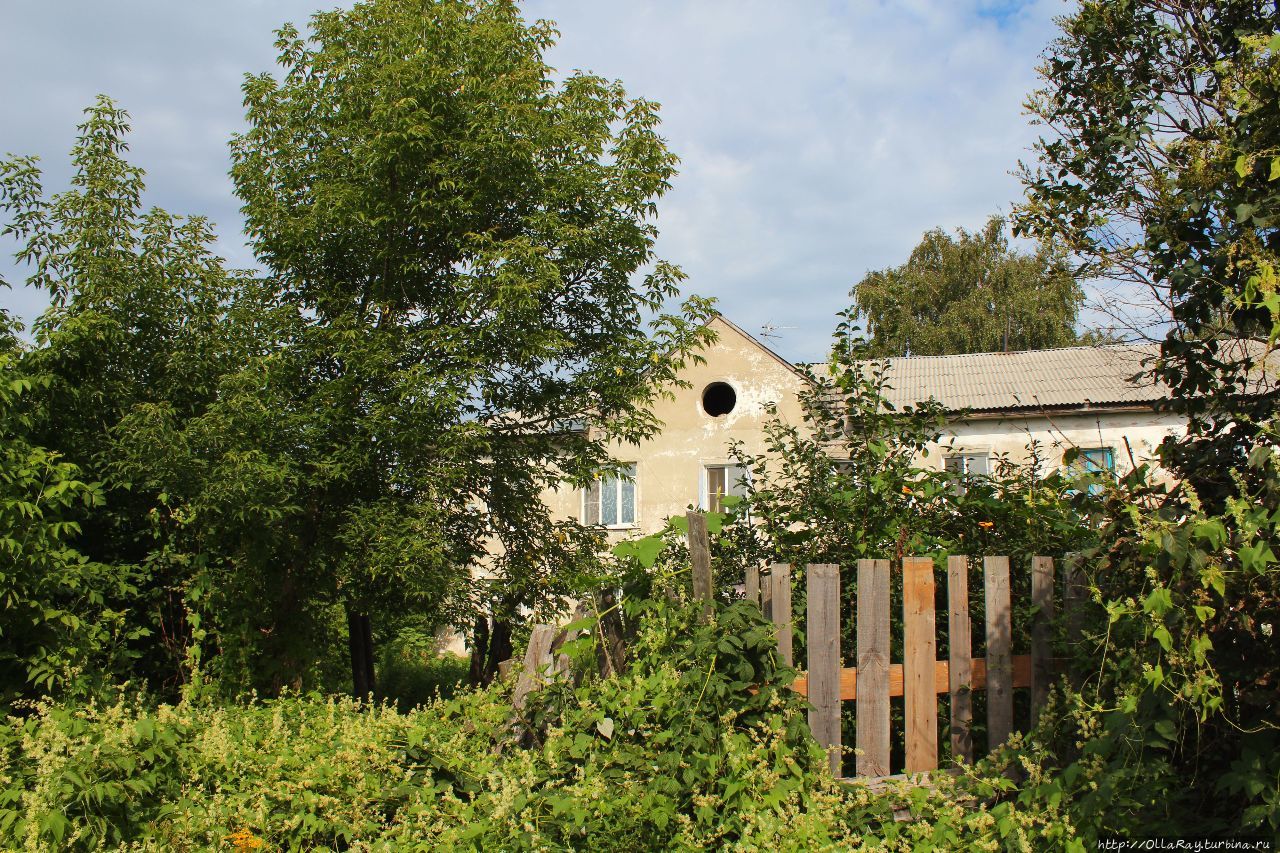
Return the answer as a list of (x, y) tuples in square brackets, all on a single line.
[(670, 467), (1010, 436)]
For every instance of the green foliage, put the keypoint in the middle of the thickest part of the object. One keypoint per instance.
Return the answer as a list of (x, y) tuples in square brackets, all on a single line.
[(450, 325), (412, 670), (968, 294), (467, 240), (695, 745), (1158, 175), (855, 480), (59, 630)]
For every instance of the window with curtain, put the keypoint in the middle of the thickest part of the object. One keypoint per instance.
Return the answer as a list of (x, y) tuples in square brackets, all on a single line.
[(611, 500)]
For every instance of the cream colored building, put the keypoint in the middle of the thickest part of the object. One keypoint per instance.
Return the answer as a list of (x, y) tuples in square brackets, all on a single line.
[(1077, 397), (1090, 398), (688, 463)]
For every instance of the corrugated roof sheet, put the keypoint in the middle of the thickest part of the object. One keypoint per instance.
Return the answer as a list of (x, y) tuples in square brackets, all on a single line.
[(1070, 377)]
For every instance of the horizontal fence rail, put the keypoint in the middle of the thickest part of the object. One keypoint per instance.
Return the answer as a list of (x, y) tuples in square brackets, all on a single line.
[(921, 677)]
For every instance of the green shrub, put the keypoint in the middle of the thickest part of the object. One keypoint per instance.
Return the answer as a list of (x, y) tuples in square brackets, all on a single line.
[(695, 745)]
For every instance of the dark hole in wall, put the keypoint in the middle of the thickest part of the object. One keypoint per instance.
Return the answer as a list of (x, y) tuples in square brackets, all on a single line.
[(718, 399)]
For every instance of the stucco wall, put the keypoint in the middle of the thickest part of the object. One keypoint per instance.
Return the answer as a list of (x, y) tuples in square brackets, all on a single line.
[(669, 467), (1055, 433)]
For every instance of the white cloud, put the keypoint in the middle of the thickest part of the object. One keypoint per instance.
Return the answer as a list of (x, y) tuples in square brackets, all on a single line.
[(818, 139)]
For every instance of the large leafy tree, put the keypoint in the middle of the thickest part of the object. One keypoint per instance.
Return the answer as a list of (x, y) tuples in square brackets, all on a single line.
[(459, 237), (140, 322), (968, 293), (1160, 170), (1158, 173)]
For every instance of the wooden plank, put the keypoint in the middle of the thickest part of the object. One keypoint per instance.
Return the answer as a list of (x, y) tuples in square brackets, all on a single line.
[(780, 612), (941, 677), (960, 657), (766, 594), (753, 585), (873, 664), (920, 641), (1074, 597), (823, 642), (537, 663), (1041, 633), (700, 558), (999, 642)]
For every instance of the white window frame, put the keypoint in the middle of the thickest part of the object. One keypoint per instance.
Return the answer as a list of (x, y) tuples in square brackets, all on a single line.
[(966, 467), (704, 484), (625, 480), (966, 471)]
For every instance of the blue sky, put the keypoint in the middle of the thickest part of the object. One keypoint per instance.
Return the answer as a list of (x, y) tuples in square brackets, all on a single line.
[(818, 140)]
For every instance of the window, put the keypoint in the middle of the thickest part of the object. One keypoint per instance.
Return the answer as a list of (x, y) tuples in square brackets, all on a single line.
[(1097, 460), (972, 464), (725, 480), (718, 399), (962, 465), (611, 501)]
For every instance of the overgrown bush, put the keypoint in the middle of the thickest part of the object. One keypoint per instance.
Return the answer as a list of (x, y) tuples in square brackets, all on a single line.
[(695, 745)]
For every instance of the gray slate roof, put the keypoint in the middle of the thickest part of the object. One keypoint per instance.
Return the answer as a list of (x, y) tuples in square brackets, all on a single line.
[(1073, 377)]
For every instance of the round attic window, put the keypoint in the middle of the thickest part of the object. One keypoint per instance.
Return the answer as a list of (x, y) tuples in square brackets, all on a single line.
[(718, 399)]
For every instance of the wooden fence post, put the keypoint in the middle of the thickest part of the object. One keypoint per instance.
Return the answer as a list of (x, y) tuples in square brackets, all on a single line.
[(766, 594), (920, 641), (700, 558), (960, 658), (999, 658), (1073, 597), (823, 642), (780, 612), (1041, 633), (537, 664), (873, 668), (752, 584)]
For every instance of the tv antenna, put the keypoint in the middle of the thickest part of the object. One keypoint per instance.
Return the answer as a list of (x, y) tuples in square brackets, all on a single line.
[(770, 330)]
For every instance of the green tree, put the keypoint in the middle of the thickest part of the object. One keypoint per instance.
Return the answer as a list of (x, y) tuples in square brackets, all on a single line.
[(1158, 173), (970, 293), (59, 630), (139, 322), (459, 236)]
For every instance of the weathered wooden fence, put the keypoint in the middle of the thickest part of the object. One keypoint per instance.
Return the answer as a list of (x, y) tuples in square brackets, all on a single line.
[(921, 677)]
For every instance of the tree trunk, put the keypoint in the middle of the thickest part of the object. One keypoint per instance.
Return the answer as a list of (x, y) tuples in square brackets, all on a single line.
[(499, 648), (360, 641), (479, 651)]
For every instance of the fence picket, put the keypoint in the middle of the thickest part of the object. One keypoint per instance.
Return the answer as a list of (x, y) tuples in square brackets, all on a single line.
[(918, 664), (766, 594), (780, 612), (1041, 633), (700, 558), (823, 642), (960, 657), (873, 668), (999, 663), (752, 585)]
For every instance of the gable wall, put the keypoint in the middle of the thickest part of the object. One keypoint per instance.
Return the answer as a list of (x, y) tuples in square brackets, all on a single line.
[(669, 467)]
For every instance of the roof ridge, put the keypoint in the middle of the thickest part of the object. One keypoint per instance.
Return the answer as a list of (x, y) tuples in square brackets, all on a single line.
[(1115, 346)]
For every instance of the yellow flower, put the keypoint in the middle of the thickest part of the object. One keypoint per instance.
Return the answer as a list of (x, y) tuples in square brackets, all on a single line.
[(986, 525), (243, 839), (906, 490)]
